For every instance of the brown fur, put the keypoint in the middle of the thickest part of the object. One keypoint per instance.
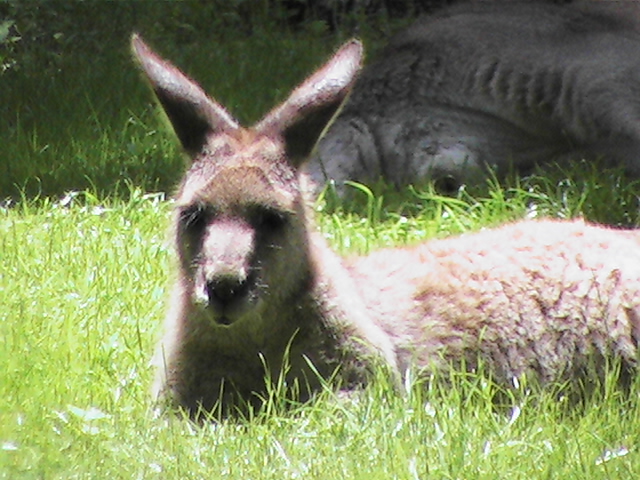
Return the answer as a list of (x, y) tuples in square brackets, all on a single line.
[(538, 297), (259, 291)]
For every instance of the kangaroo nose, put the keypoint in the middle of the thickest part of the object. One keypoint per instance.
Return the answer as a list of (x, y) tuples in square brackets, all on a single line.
[(224, 291)]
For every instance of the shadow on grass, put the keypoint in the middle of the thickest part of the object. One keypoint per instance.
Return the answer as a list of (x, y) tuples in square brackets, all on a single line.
[(580, 189)]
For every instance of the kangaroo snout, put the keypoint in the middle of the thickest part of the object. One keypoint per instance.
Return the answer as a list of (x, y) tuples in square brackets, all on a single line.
[(225, 279), (227, 296), (226, 290)]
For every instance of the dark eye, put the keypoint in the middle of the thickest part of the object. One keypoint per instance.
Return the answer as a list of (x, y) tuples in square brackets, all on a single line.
[(447, 185), (268, 219), (194, 218)]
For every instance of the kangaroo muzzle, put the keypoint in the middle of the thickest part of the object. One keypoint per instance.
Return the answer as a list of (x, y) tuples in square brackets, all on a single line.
[(225, 280)]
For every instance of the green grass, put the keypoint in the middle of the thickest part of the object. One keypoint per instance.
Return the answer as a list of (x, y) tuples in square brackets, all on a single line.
[(90, 122), (97, 127), (83, 283)]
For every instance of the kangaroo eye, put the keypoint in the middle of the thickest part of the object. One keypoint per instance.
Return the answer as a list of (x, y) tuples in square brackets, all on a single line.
[(194, 218), (447, 185), (268, 219)]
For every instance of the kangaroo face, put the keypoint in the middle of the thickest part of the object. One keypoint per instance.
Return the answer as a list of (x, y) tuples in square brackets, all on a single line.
[(237, 229)]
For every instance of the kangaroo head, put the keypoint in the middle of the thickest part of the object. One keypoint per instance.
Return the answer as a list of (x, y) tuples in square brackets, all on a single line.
[(239, 218)]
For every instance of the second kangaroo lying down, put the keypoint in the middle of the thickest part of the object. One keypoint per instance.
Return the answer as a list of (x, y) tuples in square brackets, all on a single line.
[(256, 283), (491, 86)]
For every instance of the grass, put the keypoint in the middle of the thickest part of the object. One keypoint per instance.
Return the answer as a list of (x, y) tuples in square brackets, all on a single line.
[(91, 123), (107, 140), (83, 282)]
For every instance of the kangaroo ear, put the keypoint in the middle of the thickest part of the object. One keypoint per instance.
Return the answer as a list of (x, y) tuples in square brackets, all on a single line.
[(303, 117), (191, 112)]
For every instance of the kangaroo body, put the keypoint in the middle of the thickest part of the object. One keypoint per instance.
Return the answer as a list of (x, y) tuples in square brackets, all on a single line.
[(259, 293), (543, 299), (491, 87)]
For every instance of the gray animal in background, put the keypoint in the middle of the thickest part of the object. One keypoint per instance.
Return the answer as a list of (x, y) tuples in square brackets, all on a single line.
[(258, 292), (487, 87)]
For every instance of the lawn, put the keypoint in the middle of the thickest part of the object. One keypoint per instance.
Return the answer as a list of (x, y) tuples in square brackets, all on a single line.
[(84, 275), (83, 284)]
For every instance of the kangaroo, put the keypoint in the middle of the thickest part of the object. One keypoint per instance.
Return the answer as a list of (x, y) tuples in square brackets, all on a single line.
[(258, 291), (489, 88)]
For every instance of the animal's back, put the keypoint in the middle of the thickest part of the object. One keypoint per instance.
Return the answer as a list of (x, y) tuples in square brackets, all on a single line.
[(516, 61), (491, 85), (538, 297)]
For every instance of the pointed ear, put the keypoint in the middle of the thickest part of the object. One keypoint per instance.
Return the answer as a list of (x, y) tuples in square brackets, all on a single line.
[(302, 118), (191, 112)]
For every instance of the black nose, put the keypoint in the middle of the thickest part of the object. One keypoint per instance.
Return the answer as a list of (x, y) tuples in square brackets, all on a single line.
[(225, 290)]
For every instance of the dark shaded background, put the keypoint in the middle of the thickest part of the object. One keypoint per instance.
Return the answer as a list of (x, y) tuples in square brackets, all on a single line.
[(75, 115)]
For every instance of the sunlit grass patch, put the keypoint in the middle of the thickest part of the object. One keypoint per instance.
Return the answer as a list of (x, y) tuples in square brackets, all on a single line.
[(82, 289)]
